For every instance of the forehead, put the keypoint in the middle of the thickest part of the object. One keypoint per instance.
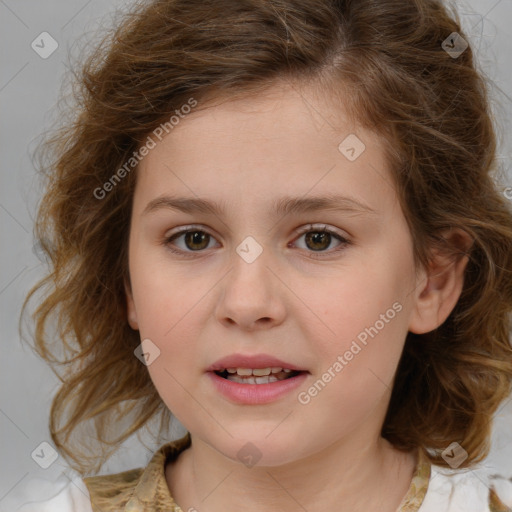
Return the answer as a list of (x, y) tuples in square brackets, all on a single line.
[(286, 141)]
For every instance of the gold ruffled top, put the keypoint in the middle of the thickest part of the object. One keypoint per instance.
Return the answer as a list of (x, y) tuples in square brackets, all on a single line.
[(146, 490)]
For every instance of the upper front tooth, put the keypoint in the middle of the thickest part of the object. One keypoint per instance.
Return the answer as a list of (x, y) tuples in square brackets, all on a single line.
[(244, 371), (276, 369), (260, 372)]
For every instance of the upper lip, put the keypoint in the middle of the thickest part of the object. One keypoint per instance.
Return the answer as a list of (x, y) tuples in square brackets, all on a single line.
[(251, 361)]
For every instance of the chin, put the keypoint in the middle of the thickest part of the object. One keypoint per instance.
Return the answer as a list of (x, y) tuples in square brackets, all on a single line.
[(257, 448)]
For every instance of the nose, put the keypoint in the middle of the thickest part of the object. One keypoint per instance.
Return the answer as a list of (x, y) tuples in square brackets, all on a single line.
[(251, 296)]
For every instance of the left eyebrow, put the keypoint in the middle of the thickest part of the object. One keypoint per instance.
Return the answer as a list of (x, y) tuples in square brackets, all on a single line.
[(291, 205), (284, 206)]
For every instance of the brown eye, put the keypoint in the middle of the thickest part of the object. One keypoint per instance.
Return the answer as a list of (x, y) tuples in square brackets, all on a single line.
[(320, 239), (317, 240), (193, 240)]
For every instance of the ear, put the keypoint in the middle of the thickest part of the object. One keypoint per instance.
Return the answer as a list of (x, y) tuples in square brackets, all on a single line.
[(441, 284), (130, 306)]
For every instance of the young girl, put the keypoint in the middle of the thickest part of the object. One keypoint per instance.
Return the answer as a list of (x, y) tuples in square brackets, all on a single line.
[(277, 220)]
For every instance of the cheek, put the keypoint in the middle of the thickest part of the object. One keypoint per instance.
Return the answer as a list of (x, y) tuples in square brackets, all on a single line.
[(355, 375), (163, 299), (342, 307), (343, 405), (169, 319)]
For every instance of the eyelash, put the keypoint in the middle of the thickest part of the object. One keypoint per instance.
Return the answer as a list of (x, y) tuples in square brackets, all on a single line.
[(301, 231)]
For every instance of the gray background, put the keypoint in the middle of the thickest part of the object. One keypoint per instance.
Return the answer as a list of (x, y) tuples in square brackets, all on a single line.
[(29, 89)]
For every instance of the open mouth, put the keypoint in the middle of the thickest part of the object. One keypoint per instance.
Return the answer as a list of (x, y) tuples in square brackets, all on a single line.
[(257, 375)]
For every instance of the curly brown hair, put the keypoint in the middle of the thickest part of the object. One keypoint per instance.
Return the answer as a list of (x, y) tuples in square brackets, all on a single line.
[(431, 107)]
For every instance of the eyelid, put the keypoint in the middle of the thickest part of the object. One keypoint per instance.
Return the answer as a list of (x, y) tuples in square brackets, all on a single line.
[(297, 231), (183, 229), (343, 238), (319, 226)]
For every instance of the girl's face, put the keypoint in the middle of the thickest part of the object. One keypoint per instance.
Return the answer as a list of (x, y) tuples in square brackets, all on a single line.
[(224, 264)]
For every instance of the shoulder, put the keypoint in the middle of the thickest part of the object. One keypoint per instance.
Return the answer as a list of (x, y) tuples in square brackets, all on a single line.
[(113, 490), (65, 494), (75, 494), (134, 489), (137, 489), (471, 490)]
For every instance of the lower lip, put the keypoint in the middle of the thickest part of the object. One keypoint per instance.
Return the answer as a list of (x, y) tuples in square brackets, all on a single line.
[(256, 393)]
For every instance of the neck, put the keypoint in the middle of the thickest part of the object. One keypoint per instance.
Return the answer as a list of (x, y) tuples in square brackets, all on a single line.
[(346, 476)]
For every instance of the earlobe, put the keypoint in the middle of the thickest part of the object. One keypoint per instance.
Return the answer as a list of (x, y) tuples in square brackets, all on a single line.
[(442, 284), (130, 306)]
